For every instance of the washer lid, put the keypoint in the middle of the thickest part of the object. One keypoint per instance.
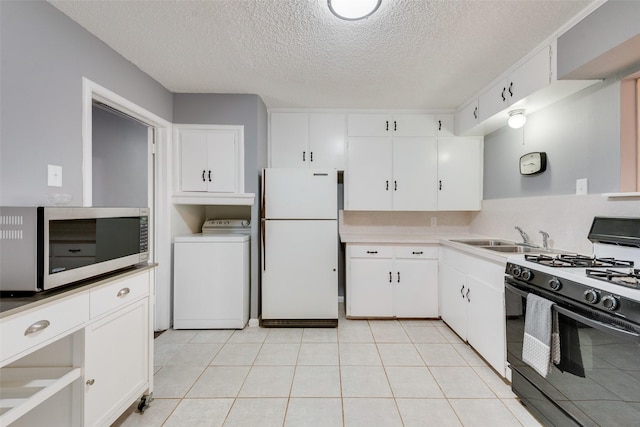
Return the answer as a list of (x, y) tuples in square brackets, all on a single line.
[(217, 238)]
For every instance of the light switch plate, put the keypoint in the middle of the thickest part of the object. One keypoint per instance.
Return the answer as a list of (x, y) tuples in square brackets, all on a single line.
[(54, 176), (582, 187)]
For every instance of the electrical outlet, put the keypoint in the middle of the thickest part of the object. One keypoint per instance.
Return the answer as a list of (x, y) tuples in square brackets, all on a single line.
[(582, 187), (434, 221), (54, 176)]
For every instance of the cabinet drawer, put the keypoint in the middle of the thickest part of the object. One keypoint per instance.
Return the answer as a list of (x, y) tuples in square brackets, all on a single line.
[(372, 251), (118, 294), (420, 252), (27, 330)]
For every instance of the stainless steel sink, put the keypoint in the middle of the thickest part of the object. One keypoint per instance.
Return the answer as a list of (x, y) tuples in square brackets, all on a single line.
[(485, 242)]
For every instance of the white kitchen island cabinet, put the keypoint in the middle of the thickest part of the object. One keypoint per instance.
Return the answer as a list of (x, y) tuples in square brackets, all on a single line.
[(211, 158), (307, 140), (385, 174), (391, 281), (80, 372), (472, 303)]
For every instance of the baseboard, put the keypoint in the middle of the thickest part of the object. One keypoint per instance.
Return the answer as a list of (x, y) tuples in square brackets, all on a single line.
[(254, 323)]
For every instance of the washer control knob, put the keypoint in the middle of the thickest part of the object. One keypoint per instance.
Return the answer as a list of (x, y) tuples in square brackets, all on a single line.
[(555, 284), (610, 302), (591, 296), (516, 271), (526, 274)]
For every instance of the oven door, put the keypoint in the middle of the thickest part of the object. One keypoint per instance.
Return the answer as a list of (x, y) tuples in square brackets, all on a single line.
[(596, 383)]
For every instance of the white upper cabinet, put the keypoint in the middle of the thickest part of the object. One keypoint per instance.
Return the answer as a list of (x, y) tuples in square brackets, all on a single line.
[(211, 159), (303, 140), (376, 124), (460, 174), (391, 174), (530, 85), (445, 125)]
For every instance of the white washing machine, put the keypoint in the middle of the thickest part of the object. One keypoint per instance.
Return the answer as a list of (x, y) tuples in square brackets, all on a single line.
[(211, 276)]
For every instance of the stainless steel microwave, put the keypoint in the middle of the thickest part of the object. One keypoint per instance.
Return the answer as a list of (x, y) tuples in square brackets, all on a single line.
[(45, 247)]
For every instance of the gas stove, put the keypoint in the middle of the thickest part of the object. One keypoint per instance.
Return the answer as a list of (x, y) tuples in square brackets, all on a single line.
[(608, 280)]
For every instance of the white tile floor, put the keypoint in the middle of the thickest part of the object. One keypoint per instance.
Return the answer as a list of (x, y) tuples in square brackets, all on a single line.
[(364, 373)]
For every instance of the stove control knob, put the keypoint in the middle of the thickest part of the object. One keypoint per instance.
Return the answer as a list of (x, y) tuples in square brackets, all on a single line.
[(516, 271), (591, 296), (610, 302), (526, 274), (555, 284)]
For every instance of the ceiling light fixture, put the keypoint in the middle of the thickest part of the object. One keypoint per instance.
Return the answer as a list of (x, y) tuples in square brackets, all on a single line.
[(353, 10), (517, 119)]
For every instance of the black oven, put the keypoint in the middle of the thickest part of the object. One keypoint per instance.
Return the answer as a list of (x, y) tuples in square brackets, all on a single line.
[(596, 383)]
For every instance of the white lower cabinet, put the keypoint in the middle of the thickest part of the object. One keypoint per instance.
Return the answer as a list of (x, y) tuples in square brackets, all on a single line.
[(115, 363), (472, 303), (81, 359), (391, 281)]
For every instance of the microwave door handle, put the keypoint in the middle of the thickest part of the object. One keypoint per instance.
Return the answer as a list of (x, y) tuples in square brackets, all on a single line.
[(610, 329)]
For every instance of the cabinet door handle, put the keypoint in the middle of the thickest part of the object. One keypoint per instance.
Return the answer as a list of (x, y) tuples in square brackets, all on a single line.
[(91, 381), (372, 252), (387, 185), (395, 126), (468, 300), (502, 94), (439, 185), (395, 185), (439, 124), (417, 252), (475, 113), (311, 156), (511, 91), (398, 277), (387, 128), (462, 291), (390, 278), (38, 326), (203, 174), (304, 156), (209, 176), (123, 292)]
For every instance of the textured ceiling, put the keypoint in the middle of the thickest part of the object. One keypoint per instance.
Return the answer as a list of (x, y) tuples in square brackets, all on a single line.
[(423, 54)]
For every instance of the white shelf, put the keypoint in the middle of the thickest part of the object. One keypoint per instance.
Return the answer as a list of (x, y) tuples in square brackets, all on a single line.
[(195, 198), (25, 388), (629, 195)]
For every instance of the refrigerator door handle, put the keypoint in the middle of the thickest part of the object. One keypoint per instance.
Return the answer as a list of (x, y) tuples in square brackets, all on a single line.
[(263, 214), (263, 234)]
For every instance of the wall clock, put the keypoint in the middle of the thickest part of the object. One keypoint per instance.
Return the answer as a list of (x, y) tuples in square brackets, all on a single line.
[(533, 163)]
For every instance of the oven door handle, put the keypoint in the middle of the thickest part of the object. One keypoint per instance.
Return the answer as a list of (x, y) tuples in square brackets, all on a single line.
[(621, 333)]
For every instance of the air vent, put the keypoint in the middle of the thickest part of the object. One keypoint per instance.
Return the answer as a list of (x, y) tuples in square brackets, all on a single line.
[(11, 234)]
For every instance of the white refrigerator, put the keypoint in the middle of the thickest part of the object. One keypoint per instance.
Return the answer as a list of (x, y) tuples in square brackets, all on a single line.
[(299, 236)]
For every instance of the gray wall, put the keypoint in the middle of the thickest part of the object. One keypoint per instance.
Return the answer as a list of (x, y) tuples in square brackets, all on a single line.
[(581, 136), (120, 160), (44, 56), (235, 109)]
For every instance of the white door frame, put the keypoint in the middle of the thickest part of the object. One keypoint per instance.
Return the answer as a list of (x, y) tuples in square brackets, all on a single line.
[(160, 205)]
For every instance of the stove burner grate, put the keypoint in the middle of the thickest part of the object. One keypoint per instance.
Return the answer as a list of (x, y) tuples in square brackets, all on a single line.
[(630, 279), (571, 260)]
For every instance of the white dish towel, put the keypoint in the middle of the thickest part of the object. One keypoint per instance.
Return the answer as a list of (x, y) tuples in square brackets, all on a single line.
[(538, 328)]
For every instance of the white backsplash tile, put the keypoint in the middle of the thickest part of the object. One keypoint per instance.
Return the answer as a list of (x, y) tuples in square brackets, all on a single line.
[(404, 222), (567, 219)]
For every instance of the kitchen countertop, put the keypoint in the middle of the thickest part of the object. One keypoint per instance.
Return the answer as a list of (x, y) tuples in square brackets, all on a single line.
[(425, 239), (22, 301)]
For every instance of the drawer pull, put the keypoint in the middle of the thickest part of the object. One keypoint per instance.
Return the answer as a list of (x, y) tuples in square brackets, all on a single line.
[(122, 292), (372, 252), (417, 252), (38, 326), (91, 381)]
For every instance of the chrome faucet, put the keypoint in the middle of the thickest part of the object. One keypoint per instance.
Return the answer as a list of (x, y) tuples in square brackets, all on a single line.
[(545, 239), (525, 237)]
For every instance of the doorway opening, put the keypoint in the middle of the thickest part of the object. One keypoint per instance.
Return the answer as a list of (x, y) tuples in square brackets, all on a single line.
[(158, 184)]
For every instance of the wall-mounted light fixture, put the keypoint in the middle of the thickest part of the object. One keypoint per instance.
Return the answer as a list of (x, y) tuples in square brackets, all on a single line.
[(353, 10), (517, 119)]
